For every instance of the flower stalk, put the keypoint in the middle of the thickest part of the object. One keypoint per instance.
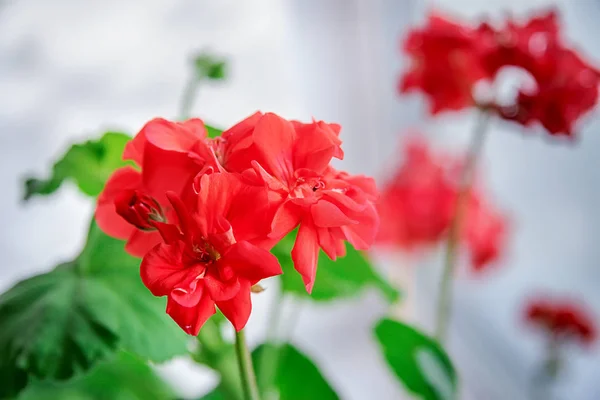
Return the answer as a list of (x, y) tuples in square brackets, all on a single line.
[(455, 229), (247, 375)]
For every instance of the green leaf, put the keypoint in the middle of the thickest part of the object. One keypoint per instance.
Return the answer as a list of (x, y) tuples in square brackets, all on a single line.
[(210, 67), (140, 319), (215, 394), (60, 324), (212, 131), (124, 378), (88, 164), (343, 278), (417, 360), (296, 376)]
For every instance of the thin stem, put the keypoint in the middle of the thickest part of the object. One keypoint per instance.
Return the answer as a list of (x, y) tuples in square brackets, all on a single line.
[(248, 378), (460, 215), (189, 97), (270, 356)]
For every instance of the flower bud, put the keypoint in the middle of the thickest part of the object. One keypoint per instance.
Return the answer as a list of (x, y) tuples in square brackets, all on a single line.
[(139, 209)]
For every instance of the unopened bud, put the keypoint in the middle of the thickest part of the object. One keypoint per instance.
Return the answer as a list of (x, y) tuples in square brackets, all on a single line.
[(257, 289), (139, 209)]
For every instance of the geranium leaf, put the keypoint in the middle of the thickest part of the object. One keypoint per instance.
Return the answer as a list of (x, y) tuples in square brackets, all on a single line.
[(296, 376), (417, 360), (88, 165), (143, 326), (60, 324), (343, 278), (212, 131), (124, 378)]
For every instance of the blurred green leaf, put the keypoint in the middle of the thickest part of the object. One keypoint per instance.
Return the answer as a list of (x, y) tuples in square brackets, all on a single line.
[(88, 164), (343, 278), (417, 360), (212, 131), (296, 376), (210, 66), (124, 378), (216, 394), (60, 324)]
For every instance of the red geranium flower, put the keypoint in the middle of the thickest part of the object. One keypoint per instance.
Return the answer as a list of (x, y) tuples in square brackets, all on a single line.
[(170, 155), (561, 320), (211, 259), (444, 63), (292, 160)]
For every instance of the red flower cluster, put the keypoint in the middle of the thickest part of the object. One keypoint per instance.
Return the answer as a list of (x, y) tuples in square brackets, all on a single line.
[(416, 207), (450, 58), (561, 320), (204, 213)]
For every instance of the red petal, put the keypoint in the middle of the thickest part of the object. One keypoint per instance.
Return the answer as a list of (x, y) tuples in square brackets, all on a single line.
[(190, 295), (251, 262), (191, 319), (162, 269), (169, 232), (108, 220), (328, 215), (165, 171), (134, 149), (274, 137), (305, 254), (141, 242), (362, 234), (174, 136), (237, 310), (328, 242), (315, 146), (221, 290), (286, 218)]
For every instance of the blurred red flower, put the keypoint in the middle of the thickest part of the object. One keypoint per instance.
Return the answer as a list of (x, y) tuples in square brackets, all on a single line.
[(417, 204), (561, 320), (449, 58), (444, 63), (566, 85)]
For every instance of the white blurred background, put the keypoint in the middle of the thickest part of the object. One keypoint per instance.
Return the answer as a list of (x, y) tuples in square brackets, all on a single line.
[(71, 69)]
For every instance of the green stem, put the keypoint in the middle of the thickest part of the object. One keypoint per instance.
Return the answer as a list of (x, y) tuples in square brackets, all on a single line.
[(270, 356), (248, 378), (454, 232), (189, 96), (220, 356)]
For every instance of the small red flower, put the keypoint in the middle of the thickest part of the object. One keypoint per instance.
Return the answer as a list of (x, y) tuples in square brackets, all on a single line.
[(211, 259), (170, 155), (561, 320), (292, 160), (444, 63)]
